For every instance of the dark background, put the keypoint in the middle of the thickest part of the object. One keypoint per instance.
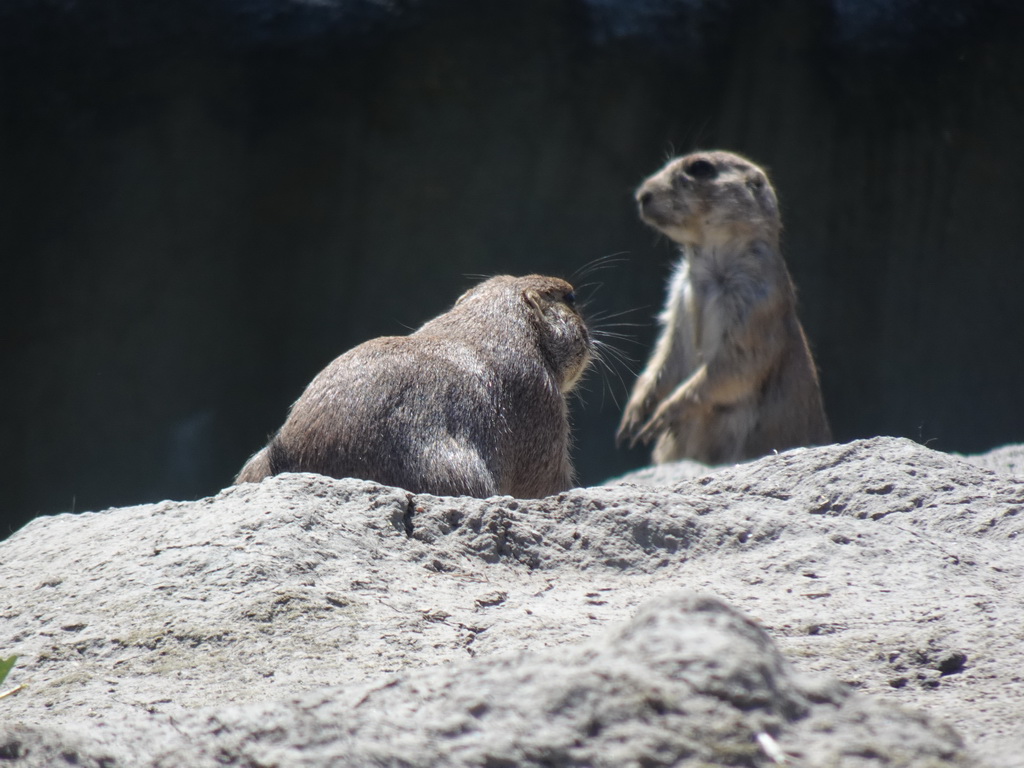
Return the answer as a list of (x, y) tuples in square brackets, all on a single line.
[(202, 203)]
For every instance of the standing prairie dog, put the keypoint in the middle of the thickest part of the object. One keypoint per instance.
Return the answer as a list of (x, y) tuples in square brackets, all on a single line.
[(471, 404), (731, 376)]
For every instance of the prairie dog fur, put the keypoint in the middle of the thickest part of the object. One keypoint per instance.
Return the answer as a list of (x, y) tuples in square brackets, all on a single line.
[(472, 403), (731, 376)]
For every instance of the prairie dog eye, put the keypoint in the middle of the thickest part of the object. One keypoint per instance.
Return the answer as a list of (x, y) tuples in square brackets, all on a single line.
[(570, 298), (702, 170)]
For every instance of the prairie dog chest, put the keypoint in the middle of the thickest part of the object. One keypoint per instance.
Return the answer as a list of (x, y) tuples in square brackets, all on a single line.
[(721, 288)]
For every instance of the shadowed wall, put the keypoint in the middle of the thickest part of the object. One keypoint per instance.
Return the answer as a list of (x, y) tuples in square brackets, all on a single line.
[(201, 204)]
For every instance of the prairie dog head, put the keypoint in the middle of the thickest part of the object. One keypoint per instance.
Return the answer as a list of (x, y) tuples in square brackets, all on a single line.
[(534, 310), (563, 334), (710, 198)]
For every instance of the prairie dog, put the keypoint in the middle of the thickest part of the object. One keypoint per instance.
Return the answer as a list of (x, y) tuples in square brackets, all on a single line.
[(472, 403), (731, 376)]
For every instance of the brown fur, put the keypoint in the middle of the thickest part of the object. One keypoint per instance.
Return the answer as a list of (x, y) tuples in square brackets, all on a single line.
[(731, 376), (472, 403)]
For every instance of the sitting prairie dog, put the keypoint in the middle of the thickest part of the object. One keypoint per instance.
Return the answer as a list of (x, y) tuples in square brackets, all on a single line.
[(731, 376), (473, 403)]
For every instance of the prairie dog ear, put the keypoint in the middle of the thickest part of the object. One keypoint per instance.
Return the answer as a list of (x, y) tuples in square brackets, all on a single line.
[(533, 298), (464, 295)]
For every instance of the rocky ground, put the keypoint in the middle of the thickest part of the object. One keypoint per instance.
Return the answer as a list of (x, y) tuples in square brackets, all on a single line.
[(852, 605)]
